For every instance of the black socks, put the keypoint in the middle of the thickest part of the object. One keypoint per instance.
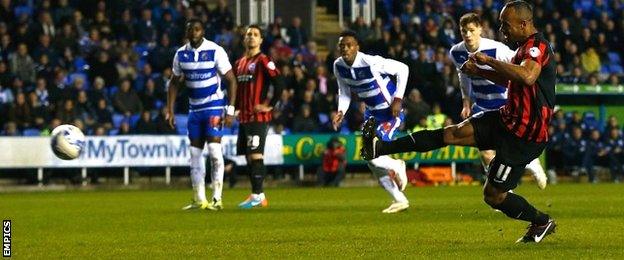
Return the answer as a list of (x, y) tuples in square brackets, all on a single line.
[(421, 141), (257, 171), (517, 207)]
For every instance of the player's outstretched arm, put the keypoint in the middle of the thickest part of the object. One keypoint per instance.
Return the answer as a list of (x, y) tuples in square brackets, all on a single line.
[(344, 100)]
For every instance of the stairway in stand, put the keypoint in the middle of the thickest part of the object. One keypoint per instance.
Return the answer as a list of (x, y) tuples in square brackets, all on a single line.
[(327, 30)]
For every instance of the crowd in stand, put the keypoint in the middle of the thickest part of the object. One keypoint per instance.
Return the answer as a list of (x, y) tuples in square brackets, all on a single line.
[(578, 143), (104, 65)]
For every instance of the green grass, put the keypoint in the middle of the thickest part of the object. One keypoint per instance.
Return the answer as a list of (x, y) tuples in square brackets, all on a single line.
[(443, 222)]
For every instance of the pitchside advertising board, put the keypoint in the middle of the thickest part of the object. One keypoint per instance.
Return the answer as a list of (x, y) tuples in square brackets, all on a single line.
[(123, 151)]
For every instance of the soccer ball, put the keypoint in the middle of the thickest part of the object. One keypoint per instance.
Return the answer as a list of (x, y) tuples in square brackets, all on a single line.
[(67, 142)]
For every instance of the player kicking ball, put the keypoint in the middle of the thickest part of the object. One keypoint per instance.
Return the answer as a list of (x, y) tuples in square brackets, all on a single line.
[(518, 132), (366, 76), (487, 95)]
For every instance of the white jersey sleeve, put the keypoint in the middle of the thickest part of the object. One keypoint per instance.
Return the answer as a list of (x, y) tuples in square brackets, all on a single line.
[(175, 67), (504, 53), (222, 61), (395, 68), (464, 81), (344, 93)]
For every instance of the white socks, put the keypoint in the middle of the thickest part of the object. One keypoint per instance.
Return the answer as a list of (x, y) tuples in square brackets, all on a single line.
[(215, 153), (536, 168), (198, 174), (392, 189), (380, 167)]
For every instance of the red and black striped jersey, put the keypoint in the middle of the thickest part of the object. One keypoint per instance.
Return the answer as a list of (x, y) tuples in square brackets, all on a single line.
[(253, 78), (529, 109)]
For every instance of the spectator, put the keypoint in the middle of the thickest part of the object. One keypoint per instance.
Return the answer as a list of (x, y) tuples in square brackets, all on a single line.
[(22, 65), (162, 126), (103, 114), (20, 113), (436, 119), (10, 129), (415, 108), (296, 34), (67, 113), (614, 146), (124, 128), (126, 101), (304, 122), (124, 67), (146, 125), (146, 29), (574, 150), (104, 67), (84, 109), (39, 112), (594, 152), (590, 60), (332, 169)]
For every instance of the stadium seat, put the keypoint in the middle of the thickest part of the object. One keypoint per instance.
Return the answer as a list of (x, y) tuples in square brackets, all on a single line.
[(80, 64), (134, 119), (323, 118), (604, 69), (112, 90), (181, 122), (616, 68), (141, 50), (113, 132), (158, 104), (117, 120), (31, 132), (614, 58)]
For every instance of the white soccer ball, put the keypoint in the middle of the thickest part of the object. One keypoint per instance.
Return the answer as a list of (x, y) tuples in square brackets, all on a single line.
[(67, 142)]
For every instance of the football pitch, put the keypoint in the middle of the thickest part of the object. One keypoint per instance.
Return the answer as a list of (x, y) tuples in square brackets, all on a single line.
[(443, 222)]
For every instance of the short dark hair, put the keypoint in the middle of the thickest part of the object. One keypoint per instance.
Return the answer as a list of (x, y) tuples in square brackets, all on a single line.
[(469, 18), (257, 27), (349, 33), (523, 8), (193, 21)]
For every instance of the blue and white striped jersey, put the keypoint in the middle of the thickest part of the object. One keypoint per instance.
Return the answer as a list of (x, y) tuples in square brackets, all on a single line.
[(485, 94), (369, 78), (201, 68)]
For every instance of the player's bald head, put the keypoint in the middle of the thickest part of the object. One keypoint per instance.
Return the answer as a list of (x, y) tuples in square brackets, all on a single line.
[(516, 21), (521, 9)]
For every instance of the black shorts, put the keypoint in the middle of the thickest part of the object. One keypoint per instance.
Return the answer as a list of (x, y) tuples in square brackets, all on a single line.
[(512, 152), (251, 138)]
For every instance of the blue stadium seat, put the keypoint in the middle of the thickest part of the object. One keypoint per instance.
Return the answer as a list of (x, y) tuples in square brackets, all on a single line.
[(113, 131), (616, 68), (181, 122), (614, 57), (117, 119), (604, 68), (112, 90), (323, 118), (134, 119), (80, 64), (141, 50), (31, 132)]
